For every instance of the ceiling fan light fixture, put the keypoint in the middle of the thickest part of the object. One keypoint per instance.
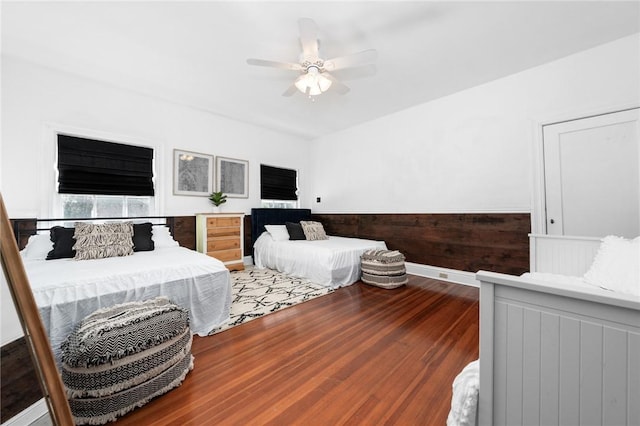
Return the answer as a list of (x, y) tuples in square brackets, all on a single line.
[(315, 78), (312, 82), (324, 83)]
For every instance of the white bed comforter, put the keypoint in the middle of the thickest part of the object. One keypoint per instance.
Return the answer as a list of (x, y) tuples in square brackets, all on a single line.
[(67, 290), (464, 402), (565, 281), (333, 263)]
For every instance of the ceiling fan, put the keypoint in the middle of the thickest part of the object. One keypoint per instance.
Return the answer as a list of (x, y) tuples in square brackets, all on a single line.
[(314, 78)]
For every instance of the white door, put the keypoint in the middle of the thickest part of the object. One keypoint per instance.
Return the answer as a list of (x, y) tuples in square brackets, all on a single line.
[(592, 178)]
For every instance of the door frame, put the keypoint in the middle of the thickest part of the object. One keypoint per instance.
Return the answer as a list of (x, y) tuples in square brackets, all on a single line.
[(538, 195)]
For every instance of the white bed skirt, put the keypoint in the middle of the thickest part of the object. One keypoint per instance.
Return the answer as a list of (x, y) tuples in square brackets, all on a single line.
[(67, 290)]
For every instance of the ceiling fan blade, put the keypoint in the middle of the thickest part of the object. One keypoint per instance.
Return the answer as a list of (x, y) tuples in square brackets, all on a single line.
[(336, 84), (361, 71), (308, 38), (290, 91), (274, 64), (355, 59)]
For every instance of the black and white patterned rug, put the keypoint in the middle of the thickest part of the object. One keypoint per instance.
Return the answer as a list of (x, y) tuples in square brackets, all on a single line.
[(257, 292)]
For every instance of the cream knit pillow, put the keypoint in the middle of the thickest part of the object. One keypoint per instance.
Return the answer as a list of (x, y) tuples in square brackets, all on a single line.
[(313, 230), (104, 240)]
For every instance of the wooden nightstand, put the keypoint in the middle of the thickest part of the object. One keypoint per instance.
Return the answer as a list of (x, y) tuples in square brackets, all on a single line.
[(221, 235)]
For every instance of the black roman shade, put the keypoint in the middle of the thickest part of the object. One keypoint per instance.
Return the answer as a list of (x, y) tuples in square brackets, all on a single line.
[(87, 166), (277, 183)]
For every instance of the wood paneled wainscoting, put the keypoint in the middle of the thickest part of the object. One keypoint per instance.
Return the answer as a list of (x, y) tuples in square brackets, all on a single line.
[(20, 383), (470, 242), (183, 229)]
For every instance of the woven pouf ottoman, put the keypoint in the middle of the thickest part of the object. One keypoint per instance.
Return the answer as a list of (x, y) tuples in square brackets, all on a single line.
[(384, 268), (121, 357)]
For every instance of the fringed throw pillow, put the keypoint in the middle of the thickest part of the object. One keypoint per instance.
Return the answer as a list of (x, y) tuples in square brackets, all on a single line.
[(313, 231), (97, 241)]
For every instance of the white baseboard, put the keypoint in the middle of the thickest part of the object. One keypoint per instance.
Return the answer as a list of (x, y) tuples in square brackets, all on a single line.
[(30, 415), (443, 274)]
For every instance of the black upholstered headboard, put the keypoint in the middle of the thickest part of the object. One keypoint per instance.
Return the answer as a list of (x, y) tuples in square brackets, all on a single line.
[(262, 217)]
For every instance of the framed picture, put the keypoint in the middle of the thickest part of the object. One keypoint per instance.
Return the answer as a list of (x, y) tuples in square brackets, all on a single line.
[(232, 177), (192, 173)]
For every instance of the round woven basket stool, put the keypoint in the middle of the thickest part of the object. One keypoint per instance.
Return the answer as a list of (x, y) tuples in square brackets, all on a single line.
[(383, 268), (121, 357)]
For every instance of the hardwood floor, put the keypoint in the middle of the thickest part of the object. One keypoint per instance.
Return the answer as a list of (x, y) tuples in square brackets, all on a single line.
[(360, 355)]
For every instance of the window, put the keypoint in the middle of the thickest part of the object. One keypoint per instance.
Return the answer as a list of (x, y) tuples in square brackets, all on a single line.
[(104, 179), (278, 204), (278, 187), (76, 206)]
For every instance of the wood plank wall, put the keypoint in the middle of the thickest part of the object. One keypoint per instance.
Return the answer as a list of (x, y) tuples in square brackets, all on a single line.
[(495, 242), (27, 228), (467, 241), (20, 383), (184, 231)]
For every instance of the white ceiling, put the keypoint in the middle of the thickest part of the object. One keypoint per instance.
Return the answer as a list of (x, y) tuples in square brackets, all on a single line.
[(195, 53)]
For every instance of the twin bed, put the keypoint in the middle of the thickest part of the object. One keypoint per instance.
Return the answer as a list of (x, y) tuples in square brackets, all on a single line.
[(333, 262), (555, 346), (66, 290)]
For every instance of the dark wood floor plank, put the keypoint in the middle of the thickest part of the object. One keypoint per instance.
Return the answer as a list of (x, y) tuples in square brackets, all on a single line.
[(360, 355)]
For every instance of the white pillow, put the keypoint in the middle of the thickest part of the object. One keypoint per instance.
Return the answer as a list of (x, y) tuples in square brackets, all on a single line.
[(162, 238), (617, 265), (37, 247), (277, 232)]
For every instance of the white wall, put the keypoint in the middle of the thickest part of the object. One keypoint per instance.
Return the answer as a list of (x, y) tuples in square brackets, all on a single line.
[(36, 100), (471, 151)]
